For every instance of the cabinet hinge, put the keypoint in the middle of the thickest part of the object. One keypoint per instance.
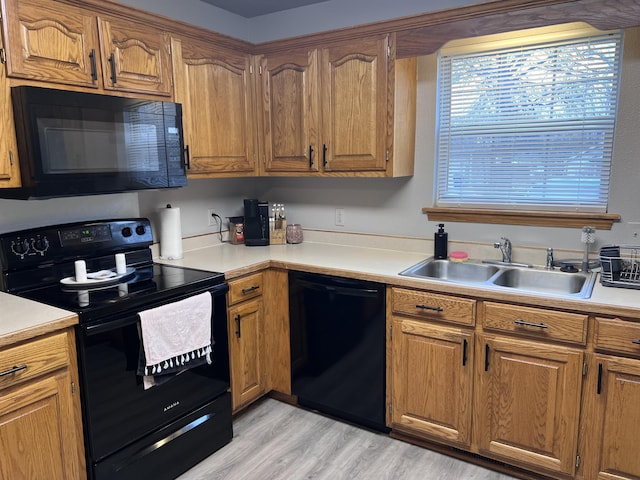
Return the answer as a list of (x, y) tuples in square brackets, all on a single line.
[(11, 158), (250, 69), (390, 410), (577, 461), (260, 70), (388, 48), (390, 333), (3, 56), (387, 153), (73, 388), (584, 368)]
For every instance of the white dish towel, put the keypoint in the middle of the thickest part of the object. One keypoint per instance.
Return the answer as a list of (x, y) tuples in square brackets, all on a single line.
[(176, 333)]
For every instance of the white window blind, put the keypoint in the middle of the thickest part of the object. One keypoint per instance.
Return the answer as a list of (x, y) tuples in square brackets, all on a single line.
[(530, 127)]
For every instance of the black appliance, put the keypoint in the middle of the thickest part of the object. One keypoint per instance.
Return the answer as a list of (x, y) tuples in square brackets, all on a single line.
[(256, 222), (73, 143), (130, 432), (337, 328)]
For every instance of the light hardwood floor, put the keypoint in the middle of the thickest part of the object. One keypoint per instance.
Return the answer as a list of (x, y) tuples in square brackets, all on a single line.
[(276, 441)]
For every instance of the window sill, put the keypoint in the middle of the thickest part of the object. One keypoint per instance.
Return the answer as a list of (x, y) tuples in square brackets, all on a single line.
[(601, 221)]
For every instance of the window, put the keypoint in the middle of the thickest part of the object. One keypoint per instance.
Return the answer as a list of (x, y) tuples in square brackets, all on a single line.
[(528, 127)]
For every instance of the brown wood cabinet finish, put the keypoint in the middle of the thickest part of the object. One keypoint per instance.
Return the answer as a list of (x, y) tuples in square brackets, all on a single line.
[(432, 380), (62, 44), (433, 306), (40, 422), (611, 419), (246, 340), (527, 403), (215, 87), (9, 168)]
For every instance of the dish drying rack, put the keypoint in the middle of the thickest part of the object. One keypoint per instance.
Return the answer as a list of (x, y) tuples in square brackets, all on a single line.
[(620, 266)]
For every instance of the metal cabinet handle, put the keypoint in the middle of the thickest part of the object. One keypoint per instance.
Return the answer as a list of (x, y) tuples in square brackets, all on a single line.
[(310, 156), (635, 342), (324, 154), (112, 61), (465, 345), (486, 357), (14, 369), (94, 68), (250, 289), (238, 331), (427, 307), (599, 387), (530, 324)]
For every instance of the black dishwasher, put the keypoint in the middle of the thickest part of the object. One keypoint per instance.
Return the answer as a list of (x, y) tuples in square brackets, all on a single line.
[(338, 347)]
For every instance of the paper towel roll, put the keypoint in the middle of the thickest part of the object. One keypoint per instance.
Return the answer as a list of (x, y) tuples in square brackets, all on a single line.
[(170, 233)]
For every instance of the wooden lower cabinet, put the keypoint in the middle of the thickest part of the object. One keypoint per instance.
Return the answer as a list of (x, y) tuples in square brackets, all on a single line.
[(432, 380), (527, 403), (40, 421), (246, 334), (611, 419)]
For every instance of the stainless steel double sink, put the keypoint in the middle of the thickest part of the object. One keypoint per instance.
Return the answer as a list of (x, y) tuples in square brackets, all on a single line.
[(516, 279)]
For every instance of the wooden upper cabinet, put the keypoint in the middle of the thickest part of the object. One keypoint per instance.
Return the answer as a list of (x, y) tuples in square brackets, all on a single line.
[(9, 168), (51, 42), (354, 105), (62, 44), (215, 89), (290, 115), (135, 58)]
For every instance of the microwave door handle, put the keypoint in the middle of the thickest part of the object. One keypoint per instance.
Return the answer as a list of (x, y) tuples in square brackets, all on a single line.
[(112, 62), (187, 158)]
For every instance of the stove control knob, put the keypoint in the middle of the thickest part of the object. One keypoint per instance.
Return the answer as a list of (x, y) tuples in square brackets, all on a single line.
[(126, 232), (40, 244), (20, 247), (141, 230)]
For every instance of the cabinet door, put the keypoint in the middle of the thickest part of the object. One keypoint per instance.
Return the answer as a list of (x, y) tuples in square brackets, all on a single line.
[(37, 431), (527, 403), (135, 58), (9, 169), (354, 106), (214, 87), (51, 42), (245, 334), (432, 380), (290, 100), (612, 419)]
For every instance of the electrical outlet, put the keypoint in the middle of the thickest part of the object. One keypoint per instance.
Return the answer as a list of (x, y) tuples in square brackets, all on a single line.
[(212, 218), (340, 217)]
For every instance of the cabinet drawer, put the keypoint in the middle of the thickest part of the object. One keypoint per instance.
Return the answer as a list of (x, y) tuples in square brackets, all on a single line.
[(536, 322), (244, 288), (618, 336), (434, 306), (33, 358)]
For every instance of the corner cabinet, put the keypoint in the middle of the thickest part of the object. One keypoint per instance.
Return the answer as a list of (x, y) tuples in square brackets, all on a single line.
[(344, 110), (432, 365), (246, 333), (40, 420), (215, 88), (60, 44), (611, 408)]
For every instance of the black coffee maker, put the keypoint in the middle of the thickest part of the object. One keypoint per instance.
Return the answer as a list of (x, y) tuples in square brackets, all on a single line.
[(256, 222)]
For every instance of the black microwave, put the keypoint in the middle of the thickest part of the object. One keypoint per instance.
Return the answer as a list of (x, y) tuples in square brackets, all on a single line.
[(73, 143)]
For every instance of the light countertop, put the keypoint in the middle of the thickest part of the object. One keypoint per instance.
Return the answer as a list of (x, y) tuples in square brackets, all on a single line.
[(383, 265), (22, 319)]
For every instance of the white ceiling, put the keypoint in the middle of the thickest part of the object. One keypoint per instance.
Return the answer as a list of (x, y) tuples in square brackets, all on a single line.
[(254, 8)]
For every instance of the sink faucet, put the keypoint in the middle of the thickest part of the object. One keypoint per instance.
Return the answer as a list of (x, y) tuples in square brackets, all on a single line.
[(549, 259), (505, 247)]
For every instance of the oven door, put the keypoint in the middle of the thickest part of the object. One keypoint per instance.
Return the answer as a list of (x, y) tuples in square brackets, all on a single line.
[(117, 409)]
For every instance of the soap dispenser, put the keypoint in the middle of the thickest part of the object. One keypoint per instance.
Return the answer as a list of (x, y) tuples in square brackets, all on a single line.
[(440, 243)]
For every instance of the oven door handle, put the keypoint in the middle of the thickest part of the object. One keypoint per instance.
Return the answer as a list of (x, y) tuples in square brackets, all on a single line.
[(132, 318)]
